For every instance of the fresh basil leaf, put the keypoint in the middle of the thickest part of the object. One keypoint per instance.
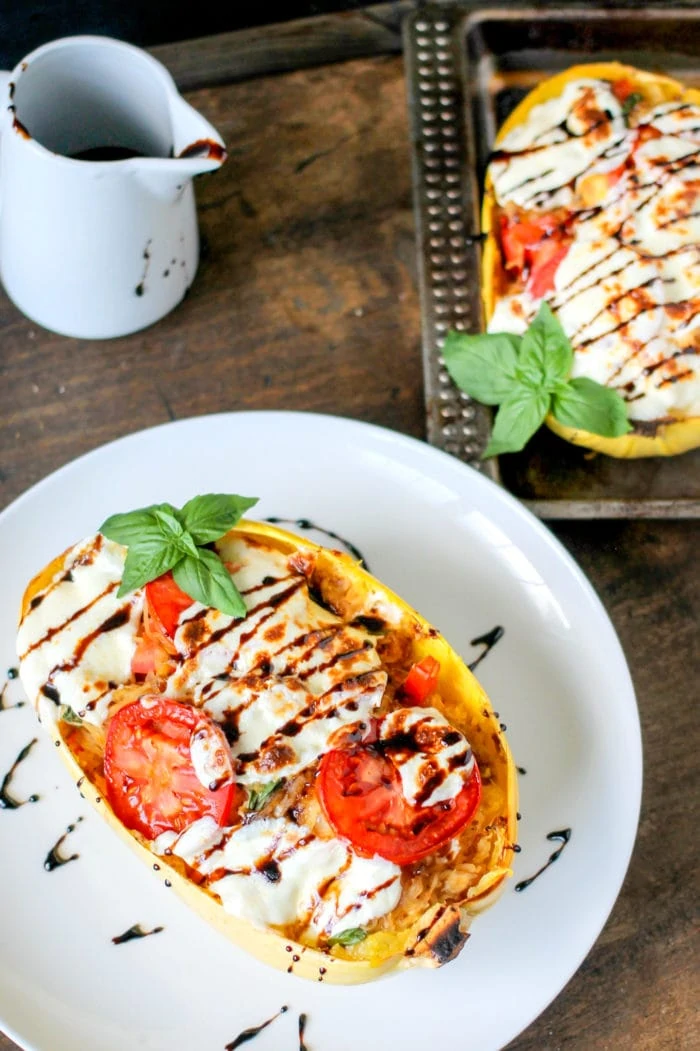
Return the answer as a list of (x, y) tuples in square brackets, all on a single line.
[(351, 936), (258, 797), (208, 517), (629, 104), (207, 580), (592, 407), (483, 366), (174, 532), (145, 563), (168, 519), (66, 713), (133, 526), (546, 354), (517, 420)]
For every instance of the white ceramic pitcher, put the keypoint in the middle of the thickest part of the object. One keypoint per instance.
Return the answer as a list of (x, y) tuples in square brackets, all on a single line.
[(98, 224)]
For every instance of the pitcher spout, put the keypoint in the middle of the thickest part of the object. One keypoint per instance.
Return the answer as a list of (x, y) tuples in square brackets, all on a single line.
[(197, 145)]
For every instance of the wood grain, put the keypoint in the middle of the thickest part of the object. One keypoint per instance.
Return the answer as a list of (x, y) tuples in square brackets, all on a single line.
[(306, 299)]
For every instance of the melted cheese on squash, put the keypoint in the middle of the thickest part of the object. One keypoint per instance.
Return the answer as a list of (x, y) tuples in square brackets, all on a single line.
[(274, 874), (628, 291), (284, 684)]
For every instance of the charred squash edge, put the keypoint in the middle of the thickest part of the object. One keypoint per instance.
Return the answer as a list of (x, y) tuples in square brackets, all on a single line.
[(441, 931), (673, 436)]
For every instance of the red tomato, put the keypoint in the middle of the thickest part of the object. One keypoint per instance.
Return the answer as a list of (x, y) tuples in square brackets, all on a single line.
[(622, 88), (516, 238), (361, 795), (421, 680), (545, 262), (151, 781), (147, 655), (536, 245), (166, 601)]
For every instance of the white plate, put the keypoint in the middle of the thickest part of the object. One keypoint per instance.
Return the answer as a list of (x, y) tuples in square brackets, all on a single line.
[(469, 557)]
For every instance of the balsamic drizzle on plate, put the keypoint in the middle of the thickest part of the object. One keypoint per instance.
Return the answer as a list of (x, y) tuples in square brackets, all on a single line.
[(488, 641), (561, 836), (307, 524), (134, 932), (54, 859), (249, 1034), (8, 801)]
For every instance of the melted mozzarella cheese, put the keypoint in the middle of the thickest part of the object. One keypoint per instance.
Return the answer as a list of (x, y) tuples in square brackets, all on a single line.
[(274, 873), (76, 641), (283, 681), (628, 291), (432, 757), (280, 727), (562, 139), (284, 684)]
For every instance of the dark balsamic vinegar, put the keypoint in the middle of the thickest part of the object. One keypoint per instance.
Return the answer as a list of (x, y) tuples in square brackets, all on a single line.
[(249, 1034), (302, 1030), (305, 523), (106, 153), (488, 641), (134, 932), (4, 706), (562, 836), (54, 859), (8, 801)]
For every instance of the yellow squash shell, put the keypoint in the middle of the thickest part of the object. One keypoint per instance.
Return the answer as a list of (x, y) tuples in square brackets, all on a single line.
[(439, 932), (671, 436)]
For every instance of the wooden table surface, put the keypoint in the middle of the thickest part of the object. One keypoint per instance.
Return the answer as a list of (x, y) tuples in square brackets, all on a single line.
[(306, 299)]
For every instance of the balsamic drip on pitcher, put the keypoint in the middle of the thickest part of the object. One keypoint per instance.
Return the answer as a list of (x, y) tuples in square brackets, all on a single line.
[(7, 801), (562, 836), (248, 1034), (134, 932), (204, 148)]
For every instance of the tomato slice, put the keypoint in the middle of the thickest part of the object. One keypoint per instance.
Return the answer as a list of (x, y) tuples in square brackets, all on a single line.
[(166, 602), (535, 244), (148, 654), (517, 236), (621, 89), (544, 265), (152, 785), (421, 680), (361, 795)]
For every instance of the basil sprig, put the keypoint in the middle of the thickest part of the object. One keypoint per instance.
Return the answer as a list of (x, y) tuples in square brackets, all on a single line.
[(630, 102), (528, 377), (67, 715), (162, 537), (258, 797), (351, 936)]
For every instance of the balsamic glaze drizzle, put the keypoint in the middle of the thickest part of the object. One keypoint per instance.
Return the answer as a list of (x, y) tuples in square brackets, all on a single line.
[(248, 1034), (4, 706), (7, 801), (305, 523), (542, 197), (488, 641), (54, 859), (562, 836), (136, 931), (302, 1029)]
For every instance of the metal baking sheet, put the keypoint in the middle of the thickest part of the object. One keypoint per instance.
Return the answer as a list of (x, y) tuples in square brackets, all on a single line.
[(466, 70)]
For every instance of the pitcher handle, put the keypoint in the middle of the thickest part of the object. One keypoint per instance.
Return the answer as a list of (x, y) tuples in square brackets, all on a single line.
[(5, 76)]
